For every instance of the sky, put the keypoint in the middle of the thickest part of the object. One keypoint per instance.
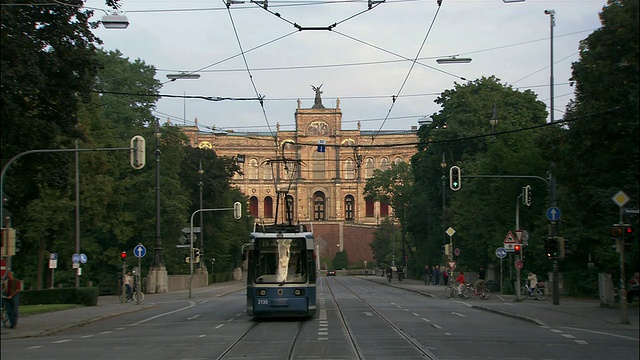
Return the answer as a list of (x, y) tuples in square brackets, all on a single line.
[(379, 62)]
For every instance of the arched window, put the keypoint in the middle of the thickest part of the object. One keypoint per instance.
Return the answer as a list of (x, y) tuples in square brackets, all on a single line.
[(348, 207), (267, 171), (349, 170), (398, 160), (253, 204), (384, 164), (369, 207), (253, 169), (317, 166), (268, 207), (290, 207), (318, 206), (369, 167)]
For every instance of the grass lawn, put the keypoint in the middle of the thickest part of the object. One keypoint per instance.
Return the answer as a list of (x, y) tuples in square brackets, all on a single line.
[(38, 309)]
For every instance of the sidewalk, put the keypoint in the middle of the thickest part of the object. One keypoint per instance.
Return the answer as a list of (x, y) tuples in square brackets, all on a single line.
[(108, 306), (569, 311)]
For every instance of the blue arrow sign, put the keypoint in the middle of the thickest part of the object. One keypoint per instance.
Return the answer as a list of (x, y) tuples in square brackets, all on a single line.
[(501, 253), (139, 251), (75, 258), (83, 258), (553, 213)]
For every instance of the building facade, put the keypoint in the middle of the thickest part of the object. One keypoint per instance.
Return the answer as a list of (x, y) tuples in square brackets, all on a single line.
[(314, 173)]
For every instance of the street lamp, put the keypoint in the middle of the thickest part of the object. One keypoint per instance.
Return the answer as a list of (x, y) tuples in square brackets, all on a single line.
[(115, 21), (453, 60), (157, 258), (200, 184)]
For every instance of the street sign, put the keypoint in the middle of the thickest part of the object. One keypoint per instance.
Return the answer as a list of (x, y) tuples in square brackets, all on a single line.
[(53, 261), (450, 231), (75, 259), (519, 264), (452, 264), (509, 241), (501, 253), (553, 213), (3, 268), (621, 199), (139, 251), (83, 258), (322, 145), (456, 252)]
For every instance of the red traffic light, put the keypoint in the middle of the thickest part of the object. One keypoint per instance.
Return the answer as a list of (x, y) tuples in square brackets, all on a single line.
[(628, 230), (517, 248), (123, 256)]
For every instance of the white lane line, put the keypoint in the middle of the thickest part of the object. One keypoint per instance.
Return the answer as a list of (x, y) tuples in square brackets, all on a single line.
[(436, 326), (61, 341), (461, 315), (105, 332), (201, 336), (414, 314), (219, 326), (605, 333), (194, 317), (556, 331), (191, 304), (427, 320), (86, 336), (568, 336), (582, 342), (34, 347)]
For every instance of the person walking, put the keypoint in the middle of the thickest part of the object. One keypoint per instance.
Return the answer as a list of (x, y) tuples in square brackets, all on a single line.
[(128, 282), (436, 275), (427, 274), (445, 277), (12, 288)]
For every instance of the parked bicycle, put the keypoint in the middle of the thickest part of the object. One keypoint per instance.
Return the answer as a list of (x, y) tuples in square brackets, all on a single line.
[(540, 292), (469, 291)]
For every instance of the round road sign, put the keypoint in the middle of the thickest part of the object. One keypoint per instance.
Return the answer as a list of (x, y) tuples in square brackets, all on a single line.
[(501, 253), (519, 264)]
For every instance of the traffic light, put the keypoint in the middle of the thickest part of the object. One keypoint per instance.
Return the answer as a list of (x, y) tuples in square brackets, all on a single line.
[(616, 231), (446, 249), (628, 235), (196, 255), (137, 152), (526, 198), (237, 210), (123, 256), (455, 178), (551, 247), (517, 248)]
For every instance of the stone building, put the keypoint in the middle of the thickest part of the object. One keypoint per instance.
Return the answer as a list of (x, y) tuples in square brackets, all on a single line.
[(314, 173)]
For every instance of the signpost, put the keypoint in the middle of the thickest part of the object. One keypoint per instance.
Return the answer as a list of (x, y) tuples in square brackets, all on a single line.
[(509, 242), (621, 199), (139, 251), (53, 264), (501, 253)]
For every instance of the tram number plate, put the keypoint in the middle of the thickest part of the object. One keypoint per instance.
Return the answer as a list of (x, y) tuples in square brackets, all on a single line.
[(263, 302)]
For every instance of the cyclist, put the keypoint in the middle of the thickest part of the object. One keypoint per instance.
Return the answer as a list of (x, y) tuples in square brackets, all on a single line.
[(477, 286), (128, 282), (460, 281), (389, 272), (533, 282)]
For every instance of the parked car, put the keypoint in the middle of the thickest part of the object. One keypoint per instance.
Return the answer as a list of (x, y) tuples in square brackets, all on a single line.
[(331, 273)]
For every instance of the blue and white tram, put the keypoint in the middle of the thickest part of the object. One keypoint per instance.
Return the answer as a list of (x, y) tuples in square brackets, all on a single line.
[(281, 272)]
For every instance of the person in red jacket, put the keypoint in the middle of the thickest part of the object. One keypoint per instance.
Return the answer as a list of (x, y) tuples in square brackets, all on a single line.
[(461, 282)]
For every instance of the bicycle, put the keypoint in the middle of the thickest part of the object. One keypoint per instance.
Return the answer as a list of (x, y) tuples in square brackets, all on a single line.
[(5, 318), (451, 290), (540, 292), (469, 291), (133, 296)]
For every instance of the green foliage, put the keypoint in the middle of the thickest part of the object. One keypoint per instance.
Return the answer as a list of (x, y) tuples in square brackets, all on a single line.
[(341, 260), (85, 295)]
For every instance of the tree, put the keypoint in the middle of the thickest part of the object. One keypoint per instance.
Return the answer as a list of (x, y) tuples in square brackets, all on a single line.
[(598, 152)]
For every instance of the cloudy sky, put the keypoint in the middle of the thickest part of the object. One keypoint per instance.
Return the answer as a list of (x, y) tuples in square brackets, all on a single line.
[(368, 57)]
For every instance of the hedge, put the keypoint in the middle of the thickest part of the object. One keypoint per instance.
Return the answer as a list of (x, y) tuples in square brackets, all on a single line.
[(85, 296)]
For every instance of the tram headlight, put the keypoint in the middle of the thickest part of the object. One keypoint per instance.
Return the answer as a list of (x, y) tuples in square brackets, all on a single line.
[(298, 292), (261, 292)]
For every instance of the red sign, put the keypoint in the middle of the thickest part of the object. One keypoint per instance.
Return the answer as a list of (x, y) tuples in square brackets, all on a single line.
[(452, 264), (3, 268)]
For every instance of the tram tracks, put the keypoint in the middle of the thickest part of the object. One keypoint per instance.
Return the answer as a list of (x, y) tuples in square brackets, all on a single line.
[(245, 345), (359, 353)]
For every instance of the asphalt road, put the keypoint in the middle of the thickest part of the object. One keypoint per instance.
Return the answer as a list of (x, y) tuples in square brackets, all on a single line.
[(358, 318)]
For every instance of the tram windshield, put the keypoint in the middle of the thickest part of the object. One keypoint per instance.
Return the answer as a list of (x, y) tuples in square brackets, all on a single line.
[(280, 261)]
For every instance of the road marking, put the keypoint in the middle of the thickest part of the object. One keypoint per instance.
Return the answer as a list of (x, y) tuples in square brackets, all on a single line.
[(568, 336), (461, 315), (34, 347), (219, 326), (86, 336), (61, 341), (201, 336), (106, 332), (436, 326), (414, 314), (427, 320), (605, 333), (191, 304), (582, 342), (194, 317), (556, 331)]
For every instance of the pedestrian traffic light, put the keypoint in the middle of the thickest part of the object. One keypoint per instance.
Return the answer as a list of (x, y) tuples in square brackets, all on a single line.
[(123, 256), (446, 249), (455, 177), (617, 231), (628, 235)]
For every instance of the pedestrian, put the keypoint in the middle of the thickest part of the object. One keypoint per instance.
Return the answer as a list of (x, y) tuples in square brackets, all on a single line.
[(436, 275), (128, 283), (460, 280), (426, 274), (12, 288), (445, 277), (477, 286)]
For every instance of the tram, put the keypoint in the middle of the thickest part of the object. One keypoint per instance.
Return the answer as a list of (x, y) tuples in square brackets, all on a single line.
[(281, 272)]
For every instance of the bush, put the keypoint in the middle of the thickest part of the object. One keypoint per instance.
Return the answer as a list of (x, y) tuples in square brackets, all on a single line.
[(84, 296)]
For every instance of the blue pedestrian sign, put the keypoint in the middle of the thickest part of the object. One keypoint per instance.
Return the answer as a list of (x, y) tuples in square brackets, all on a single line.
[(139, 251), (553, 213), (501, 253)]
